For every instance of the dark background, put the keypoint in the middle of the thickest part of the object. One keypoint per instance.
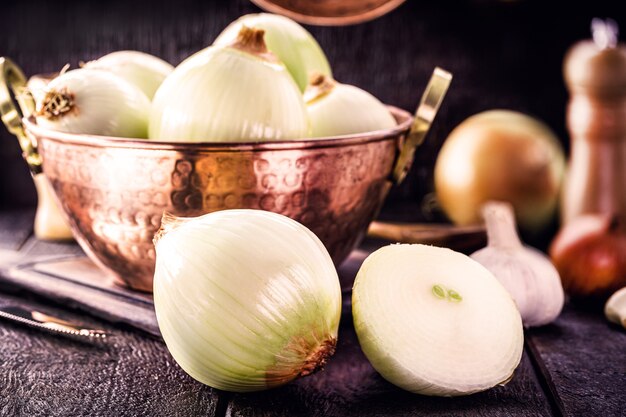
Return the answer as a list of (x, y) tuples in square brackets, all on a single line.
[(502, 55)]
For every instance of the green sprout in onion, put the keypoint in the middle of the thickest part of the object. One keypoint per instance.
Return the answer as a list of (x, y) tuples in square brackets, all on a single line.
[(451, 295)]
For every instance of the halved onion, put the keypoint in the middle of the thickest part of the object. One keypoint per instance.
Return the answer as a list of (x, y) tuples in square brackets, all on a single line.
[(434, 322)]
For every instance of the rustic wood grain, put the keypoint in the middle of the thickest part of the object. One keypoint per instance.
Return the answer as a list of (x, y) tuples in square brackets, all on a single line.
[(45, 375), (349, 386), (583, 360)]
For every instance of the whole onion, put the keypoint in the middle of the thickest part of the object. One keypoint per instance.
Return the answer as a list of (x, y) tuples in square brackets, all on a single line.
[(245, 299), (238, 92), (500, 155)]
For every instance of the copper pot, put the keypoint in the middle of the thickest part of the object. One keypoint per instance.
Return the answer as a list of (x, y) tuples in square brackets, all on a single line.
[(115, 190), (329, 12)]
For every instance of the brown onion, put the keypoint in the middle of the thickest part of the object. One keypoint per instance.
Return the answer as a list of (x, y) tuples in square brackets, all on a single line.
[(500, 155), (590, 255)]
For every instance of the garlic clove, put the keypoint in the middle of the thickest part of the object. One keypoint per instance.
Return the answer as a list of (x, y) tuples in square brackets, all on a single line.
[(615, 308)]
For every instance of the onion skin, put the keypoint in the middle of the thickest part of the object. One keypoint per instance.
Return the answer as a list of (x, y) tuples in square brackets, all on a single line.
[(590, 255), (246, 300), (500, 155)]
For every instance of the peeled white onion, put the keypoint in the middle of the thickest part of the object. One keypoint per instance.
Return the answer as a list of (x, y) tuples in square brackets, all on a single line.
[(236, 93), (434, 322), (245, 299), (291, 43), (144, 70), (340, 109), (93, 102)]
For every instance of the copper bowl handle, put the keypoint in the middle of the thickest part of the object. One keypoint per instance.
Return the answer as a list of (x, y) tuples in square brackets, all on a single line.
[(424, 115), (13, 88)]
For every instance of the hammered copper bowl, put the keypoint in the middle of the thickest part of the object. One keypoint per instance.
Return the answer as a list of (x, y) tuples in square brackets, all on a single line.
[(115, 190)]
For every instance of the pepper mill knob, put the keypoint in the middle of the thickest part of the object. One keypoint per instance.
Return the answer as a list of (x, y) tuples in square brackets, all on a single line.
[(598, 66)]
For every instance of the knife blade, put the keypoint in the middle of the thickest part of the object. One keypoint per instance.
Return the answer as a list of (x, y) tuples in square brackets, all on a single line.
[(38, 320)]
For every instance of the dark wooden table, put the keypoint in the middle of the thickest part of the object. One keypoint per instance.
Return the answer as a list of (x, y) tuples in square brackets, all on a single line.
[(574, 367)]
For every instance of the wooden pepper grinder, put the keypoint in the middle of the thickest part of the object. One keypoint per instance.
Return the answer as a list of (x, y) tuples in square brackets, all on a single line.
[(595, 73)]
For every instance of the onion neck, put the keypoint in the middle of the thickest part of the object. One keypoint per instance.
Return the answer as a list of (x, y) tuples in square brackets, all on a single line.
[(252, 41), (55, 104), (319, 86), (500, 221), (169, 222)]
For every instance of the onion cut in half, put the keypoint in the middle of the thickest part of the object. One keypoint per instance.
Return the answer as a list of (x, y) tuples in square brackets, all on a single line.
[(433, 321)]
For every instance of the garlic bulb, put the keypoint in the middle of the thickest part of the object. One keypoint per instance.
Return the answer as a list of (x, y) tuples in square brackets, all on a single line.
[(290, 42), (526, 273), (143, 70), (434, 322), (235, 93), (245, 299), (340, 109), (615, 308), (93, 102)]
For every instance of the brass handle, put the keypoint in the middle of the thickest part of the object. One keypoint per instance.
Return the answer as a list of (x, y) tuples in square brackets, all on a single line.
[(424, 116), (13, 88)]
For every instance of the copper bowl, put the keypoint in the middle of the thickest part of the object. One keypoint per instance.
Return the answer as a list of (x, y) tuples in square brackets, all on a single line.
[(115, 190)]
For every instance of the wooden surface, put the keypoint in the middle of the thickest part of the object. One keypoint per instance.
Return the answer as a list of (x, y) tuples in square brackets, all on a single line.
[(574, 367), (131, 375)]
